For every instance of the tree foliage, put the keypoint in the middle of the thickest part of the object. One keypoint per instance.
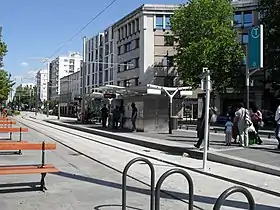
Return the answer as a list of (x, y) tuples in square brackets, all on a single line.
[(3, 49), (25, 97), (5, 85), (270, 18), (206, 39)]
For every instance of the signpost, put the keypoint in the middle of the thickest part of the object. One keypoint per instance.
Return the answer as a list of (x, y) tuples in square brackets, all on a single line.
[(254, 53)]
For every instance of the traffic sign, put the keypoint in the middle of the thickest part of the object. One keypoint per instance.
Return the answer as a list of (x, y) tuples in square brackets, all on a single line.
[(255, 47)]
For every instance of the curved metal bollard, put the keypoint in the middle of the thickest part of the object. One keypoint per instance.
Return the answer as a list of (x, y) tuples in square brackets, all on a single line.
[(130, 163), (167, 174), (235, 189)]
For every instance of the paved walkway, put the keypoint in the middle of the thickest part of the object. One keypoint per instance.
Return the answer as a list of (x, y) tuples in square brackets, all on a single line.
[(264, 157)]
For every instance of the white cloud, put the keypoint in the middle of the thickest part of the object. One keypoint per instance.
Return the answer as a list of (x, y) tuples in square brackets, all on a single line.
[(24, 64)]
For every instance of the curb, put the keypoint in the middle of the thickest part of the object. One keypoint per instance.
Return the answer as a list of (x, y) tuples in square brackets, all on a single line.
[(212, 155), (162, 147), (214, 129)]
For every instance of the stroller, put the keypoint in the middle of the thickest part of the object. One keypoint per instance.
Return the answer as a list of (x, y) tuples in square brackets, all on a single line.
[(253, 135)]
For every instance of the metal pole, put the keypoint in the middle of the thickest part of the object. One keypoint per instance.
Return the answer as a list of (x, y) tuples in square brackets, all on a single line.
[(83, 79), (48, 108), (169, 115), (247, 80), (206, 119), (58, 111)]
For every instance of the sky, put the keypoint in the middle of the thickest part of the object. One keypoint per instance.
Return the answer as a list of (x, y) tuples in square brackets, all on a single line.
[(36, 29)]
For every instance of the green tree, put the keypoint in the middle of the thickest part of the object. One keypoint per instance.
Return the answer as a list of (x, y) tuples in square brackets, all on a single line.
[(206, 38), (5, 85), (3, 49), (270, 18), (25, 97)]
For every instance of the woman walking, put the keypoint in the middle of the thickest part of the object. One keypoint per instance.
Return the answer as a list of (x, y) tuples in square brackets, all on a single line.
[(256, 117)]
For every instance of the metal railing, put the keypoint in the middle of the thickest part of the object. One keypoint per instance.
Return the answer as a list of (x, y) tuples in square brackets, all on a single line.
[(235, 189), (129, 164), (155, 191), (167, 174)]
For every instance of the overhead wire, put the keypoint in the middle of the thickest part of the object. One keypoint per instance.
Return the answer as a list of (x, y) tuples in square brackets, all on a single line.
[(79, 31)]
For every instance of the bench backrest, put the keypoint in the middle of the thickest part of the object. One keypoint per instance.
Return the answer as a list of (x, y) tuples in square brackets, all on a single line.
[(26, 146), (13, 130)]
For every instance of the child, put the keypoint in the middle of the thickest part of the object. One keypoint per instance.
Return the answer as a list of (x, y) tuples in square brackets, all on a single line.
[(228, 128)]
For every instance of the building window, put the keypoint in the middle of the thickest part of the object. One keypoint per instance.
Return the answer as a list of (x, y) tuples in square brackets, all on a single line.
[(100, 66), (136, 43), (106, 76), (125, 66), (136, 81), (65, 60), (119, 34), (159, 22), (127, 47), (125, 31), (92, 79), (167, 22), (106, 49), (112, 60), (118, 83), (137, 24), (136, 63), (248, 19), (238, 19), (129, 29), (245, 38), (132, 27), (88, 80), (119, 50), (168, 40), (106, 62), (100, 78), (119, 68), (111, 46), (111, 74)]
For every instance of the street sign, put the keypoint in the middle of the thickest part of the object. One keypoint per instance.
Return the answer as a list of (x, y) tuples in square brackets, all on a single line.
[(255, 47), (109, 95)]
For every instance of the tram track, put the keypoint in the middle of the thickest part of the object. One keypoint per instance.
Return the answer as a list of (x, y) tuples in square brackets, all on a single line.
[(90, 157), (67, 130)]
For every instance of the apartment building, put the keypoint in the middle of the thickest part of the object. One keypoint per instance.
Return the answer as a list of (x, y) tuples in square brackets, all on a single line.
[(42, 85), (61, 67), (100, 60), (69, 90), (144, 45)]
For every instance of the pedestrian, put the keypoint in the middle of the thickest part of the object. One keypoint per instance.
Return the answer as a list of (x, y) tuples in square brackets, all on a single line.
[(228, 130), (201, 125), (256, 116), (243, 122), (104, 116), (277, 130), (116, 117), (133, 116)]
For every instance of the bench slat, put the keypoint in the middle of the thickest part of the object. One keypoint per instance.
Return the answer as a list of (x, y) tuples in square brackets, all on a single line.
[(8, 122), (13, 130), (26, 146), (29, 171), (11, 141), (17, 167)]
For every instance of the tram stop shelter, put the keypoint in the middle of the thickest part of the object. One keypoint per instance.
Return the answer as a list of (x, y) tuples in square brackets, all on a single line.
[(152, 103)]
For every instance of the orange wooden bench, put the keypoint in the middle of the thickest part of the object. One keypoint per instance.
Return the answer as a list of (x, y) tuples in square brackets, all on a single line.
[(41, 168), (14, 130), (7, 122)]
